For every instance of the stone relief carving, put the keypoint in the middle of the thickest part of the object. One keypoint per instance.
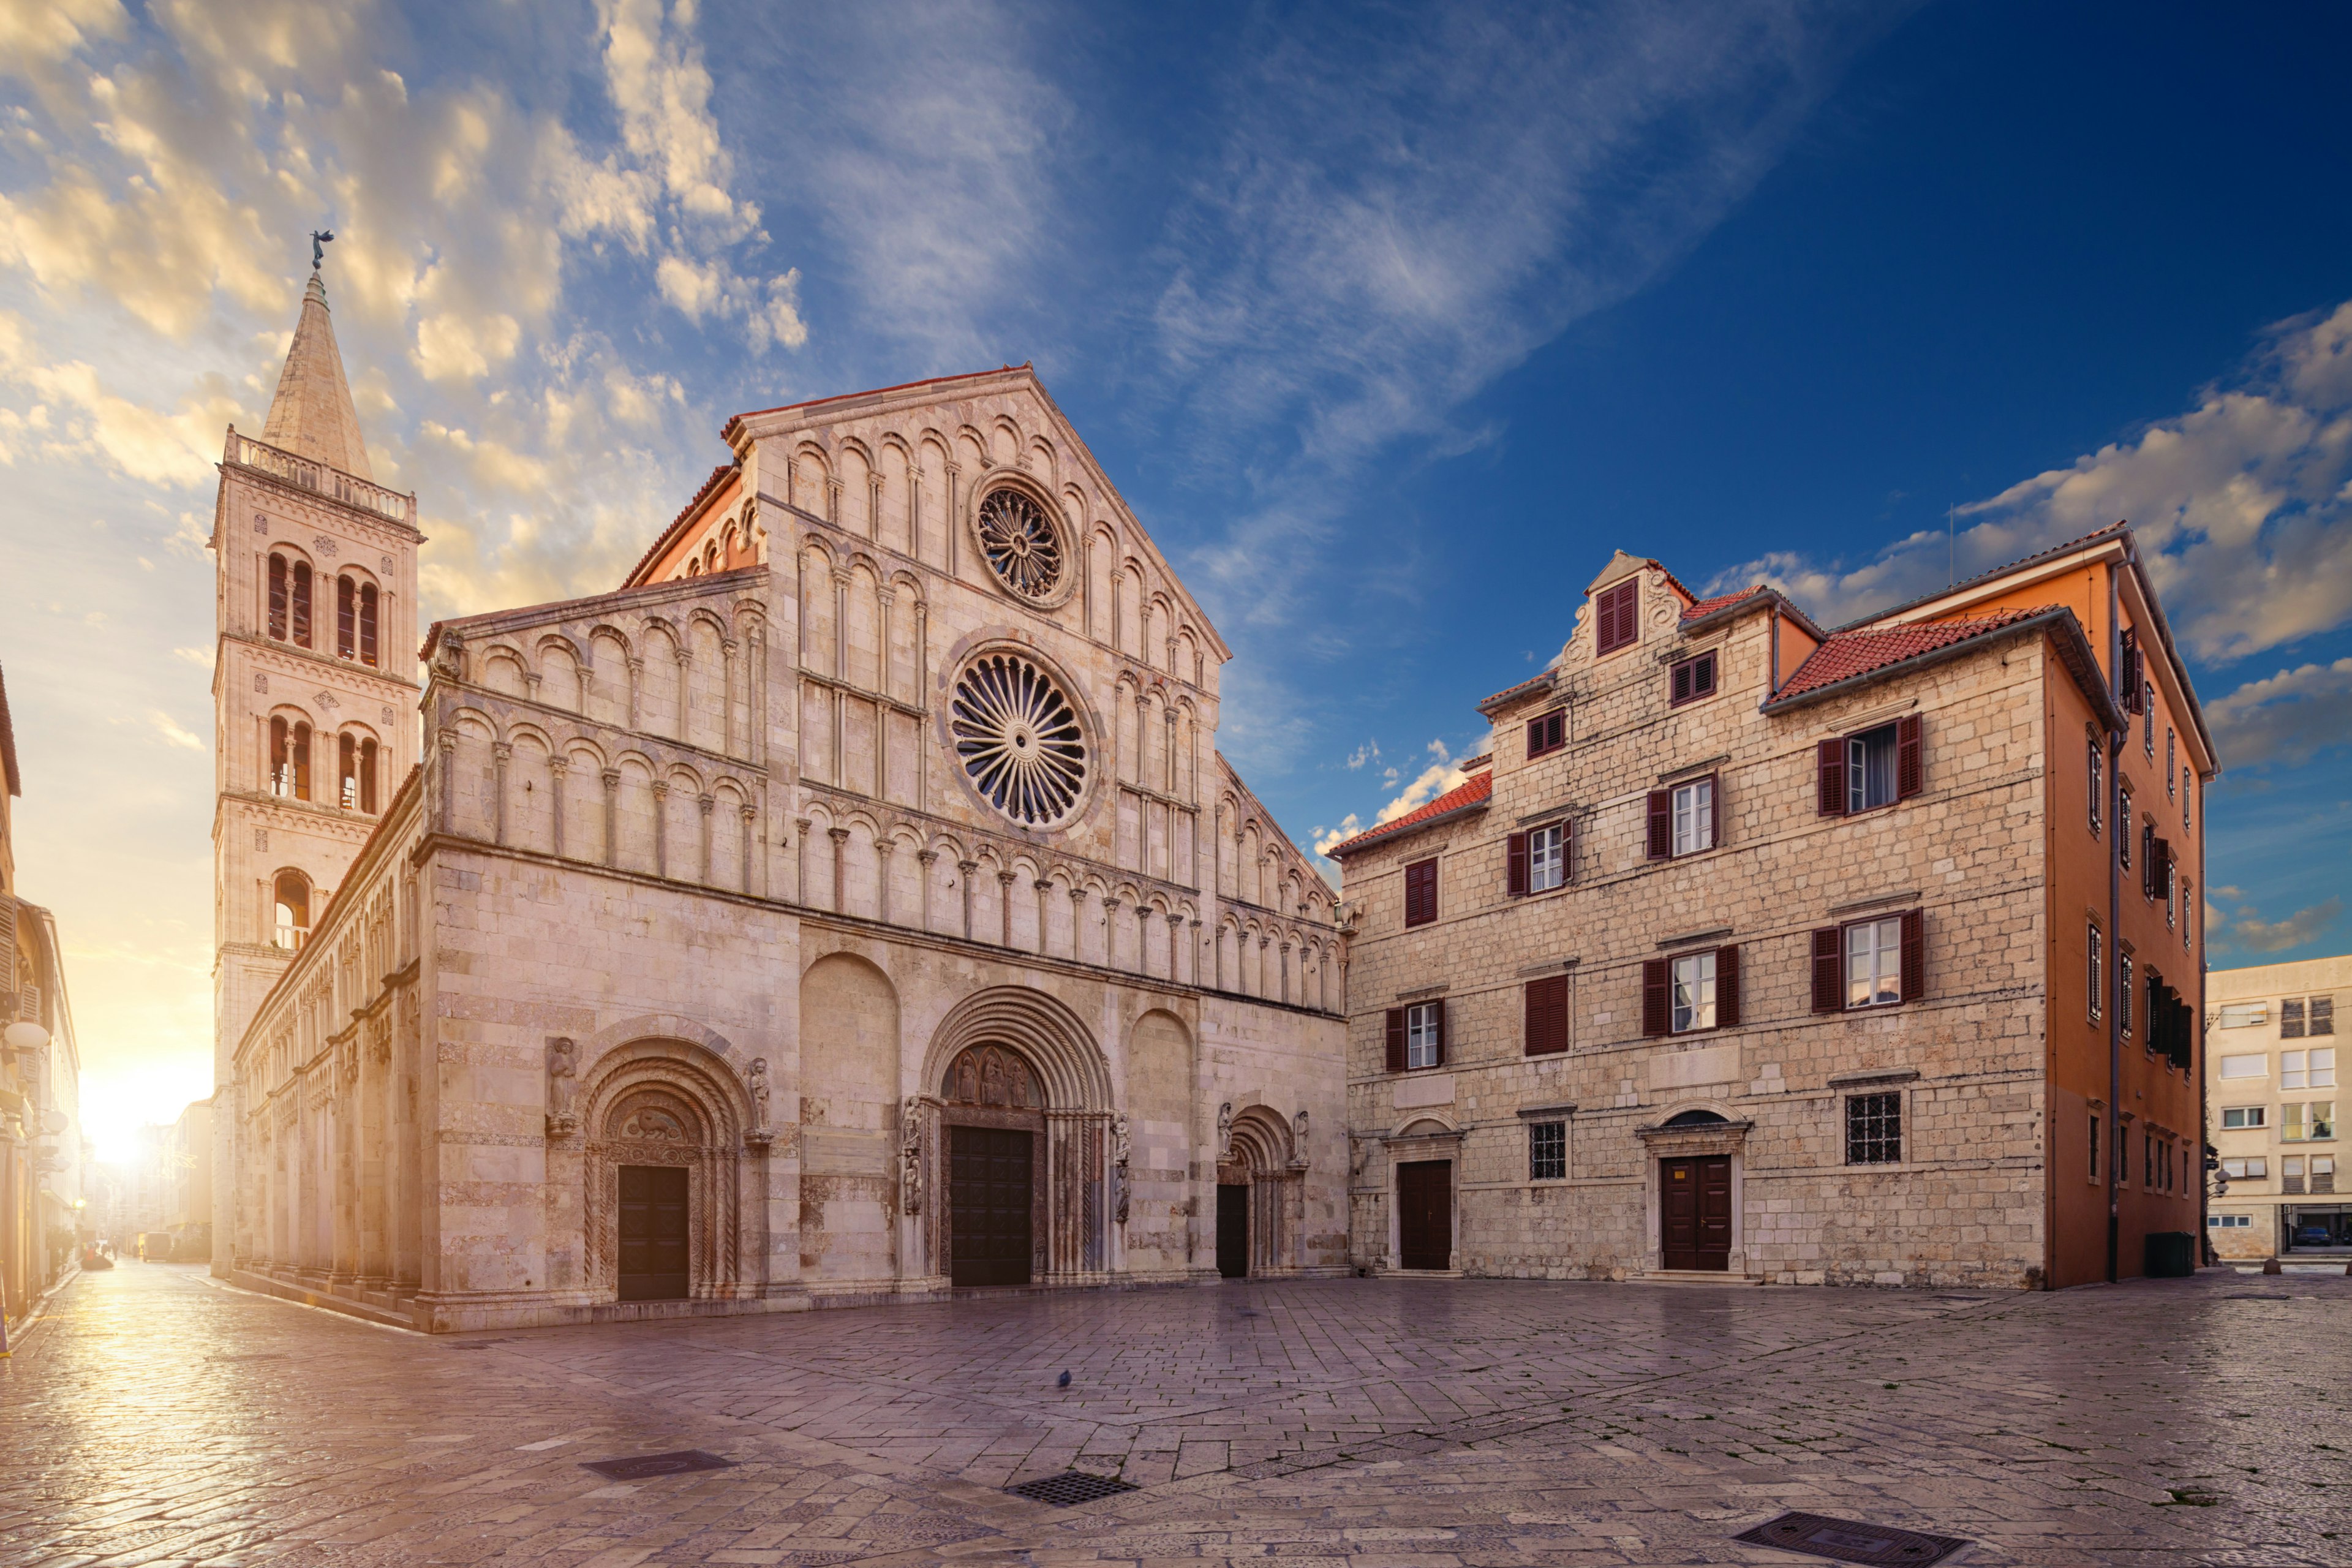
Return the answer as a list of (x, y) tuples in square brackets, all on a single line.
[(651, 1125), (911, 1157), (1225, 1131), (1299, 1141), (762, 1132), (563, 1083), (1122, 1150)]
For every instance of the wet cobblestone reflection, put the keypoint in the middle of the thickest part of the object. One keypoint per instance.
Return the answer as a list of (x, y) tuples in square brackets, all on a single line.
[(158, 1417)]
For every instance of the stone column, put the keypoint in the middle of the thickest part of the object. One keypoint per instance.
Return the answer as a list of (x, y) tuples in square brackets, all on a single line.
[(727, 679), (685, 695), (637, 680), (1005, 906), (800, 861), (703, 803), (1284, 961), (557, 769), (1196, 951), (967, 868), (448, 744), (1110, 931), (1077, 922), (1175, 944), (1044, 885), (661, 829), (840, 836), (612, 777), (885, 849), (750, 826), (927, 859), (501, 752)]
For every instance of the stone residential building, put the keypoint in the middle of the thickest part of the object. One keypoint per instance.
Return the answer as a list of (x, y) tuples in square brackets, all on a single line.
[(1864, 956), (850, 905), (2271, 1089)]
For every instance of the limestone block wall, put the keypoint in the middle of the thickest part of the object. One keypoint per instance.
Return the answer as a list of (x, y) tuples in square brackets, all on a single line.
[(1966, 1201)]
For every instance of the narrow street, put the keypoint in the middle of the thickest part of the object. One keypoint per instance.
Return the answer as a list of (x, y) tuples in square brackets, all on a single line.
[(156, 1416)]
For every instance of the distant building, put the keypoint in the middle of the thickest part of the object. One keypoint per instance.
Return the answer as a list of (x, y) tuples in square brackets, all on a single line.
[(2271, 1083), (185, 1168), (41, 1150), (1846, 955)]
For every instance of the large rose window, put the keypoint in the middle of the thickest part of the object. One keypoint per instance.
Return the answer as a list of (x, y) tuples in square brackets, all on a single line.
[(1018, 739), (1023, 544)]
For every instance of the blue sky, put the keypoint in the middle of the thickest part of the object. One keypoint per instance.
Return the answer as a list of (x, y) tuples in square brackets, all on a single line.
[(1391, 322)]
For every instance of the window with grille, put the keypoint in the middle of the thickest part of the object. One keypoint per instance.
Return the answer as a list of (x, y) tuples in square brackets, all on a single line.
[(2123, 992), (2123, 824), (2098, 776), (2097, 988), (2094, 1148), (1874, 1129), (1547, 1151)]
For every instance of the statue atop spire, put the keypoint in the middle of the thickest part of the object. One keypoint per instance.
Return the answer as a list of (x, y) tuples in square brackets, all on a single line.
[(313, 416)]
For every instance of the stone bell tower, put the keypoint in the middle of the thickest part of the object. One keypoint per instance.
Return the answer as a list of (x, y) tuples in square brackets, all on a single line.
[(314, 687)]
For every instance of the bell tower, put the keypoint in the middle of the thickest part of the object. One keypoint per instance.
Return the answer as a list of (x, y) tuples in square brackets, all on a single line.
[(314, 687)]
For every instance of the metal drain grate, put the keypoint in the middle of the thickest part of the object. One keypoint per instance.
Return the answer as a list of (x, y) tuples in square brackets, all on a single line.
[(644, 1465), (1849, 1540), (1071, 1488)]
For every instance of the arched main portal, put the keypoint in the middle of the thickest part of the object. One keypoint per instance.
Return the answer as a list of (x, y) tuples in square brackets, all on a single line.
[(1016, 1122)]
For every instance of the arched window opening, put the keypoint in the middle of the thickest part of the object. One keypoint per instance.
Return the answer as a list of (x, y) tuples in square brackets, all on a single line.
[(289, 760), (367, 777), (347, 618), (291, 927), (301, 598), (347, 769), (278, 589), (367, 623)]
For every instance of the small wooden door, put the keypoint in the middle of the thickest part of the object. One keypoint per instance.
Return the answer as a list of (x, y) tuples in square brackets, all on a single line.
[(1233, 1230), (1695, 1212), (1424, 1195), (988, 1196), (652, 1233)]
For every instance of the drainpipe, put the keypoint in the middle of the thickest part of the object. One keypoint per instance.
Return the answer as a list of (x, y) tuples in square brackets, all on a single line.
[(2115, 965)]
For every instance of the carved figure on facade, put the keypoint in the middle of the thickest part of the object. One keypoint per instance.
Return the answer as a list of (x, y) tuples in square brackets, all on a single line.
[(762, 1134), (563, 1083), (1299, 1141), (1120, 1152), (1225, 1131), (911, 1157)]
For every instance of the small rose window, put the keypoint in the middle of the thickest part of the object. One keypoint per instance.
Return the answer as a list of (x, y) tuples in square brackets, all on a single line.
[(1022, 545)]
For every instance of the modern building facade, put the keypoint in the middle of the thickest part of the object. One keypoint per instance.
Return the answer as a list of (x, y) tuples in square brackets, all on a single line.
[(2271, 1089), (851, 905), (1751, 947)]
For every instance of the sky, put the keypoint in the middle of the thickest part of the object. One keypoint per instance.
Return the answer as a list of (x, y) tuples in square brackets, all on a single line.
[(1391, 322)]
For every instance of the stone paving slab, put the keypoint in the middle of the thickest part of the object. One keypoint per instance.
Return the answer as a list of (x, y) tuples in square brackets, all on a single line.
[(159, 1417)]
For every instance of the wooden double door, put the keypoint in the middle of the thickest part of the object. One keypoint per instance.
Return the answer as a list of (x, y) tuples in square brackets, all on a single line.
[(991, 1194), (653, 1216), (1695, 1212), (1233, 1230), (1424, 1200)]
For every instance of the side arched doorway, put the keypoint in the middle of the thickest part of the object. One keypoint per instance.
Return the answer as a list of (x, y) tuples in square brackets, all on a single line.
[(1258, 1188)]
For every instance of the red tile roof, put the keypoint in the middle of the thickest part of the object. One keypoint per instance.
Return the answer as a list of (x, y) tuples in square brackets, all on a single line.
[(668, 536), (1850, 654), (1706, 606), (1462, 798), (2024, 561)]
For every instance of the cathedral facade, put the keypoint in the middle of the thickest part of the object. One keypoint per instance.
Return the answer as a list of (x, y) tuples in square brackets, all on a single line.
[(850, 906)]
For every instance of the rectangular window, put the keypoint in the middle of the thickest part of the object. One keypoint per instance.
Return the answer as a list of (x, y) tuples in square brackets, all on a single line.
[(2097, 990), (1874, 1129), (1693, 992), (1547, 1151), (1694, 806), (2171, 759), (2291, 1173), (2246, 1065), (2147, 721), (2123, 824), (1547, 733), (1692, 679), (2128, 684), (2243, 1015), (2123, 1156), (1870, 769), (1547, 1016), (2123, 992), (2187, 910), (2184, 797), (1423, 1027), (2254, 1168), (2291, 1071), (1616, 614), (2322, 1015), (1421, 892), (2290, 1018), (1548, 858), (2301, 1123), (2148, 859), (2323, 1173), (2098, 775), (1874, 963), (2094, 1148)]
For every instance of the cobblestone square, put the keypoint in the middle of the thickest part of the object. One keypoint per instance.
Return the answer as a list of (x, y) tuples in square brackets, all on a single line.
[(157, 1416)]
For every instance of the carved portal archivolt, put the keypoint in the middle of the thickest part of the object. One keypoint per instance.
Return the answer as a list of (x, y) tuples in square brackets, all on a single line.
[(663, 1103)]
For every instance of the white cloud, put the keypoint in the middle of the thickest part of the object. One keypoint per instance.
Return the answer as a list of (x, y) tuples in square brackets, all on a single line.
[(2250, 933), (1443, 773), (2289, 717), (196, 656), (172, 733), (2242, 507), (450, 347)]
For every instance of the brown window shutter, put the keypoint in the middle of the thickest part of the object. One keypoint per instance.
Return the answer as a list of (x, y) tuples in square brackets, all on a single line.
[(1421, 892), (1396, 1040), (1914, 956), (1828, 763), (1515, 865), (1657, 1012), (1715, 810), (2127, 673), (1910, 775), (1535, 736), (1662, 824), (1727, 987), (1829, 990), (1440, 1005), (1682, 682), (1547, 1016)]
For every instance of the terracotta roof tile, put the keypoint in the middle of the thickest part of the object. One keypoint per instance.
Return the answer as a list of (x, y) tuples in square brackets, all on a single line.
[(1849, 654), (668, 536), (2024, 561), (1706, 606), (1460, 798)]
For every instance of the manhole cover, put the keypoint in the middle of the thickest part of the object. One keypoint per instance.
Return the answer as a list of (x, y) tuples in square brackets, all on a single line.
[(1071, 1488), (644, 1465), (1849, 1540)]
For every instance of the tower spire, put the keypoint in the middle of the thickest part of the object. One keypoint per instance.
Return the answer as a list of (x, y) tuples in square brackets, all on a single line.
[(313, 416)]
